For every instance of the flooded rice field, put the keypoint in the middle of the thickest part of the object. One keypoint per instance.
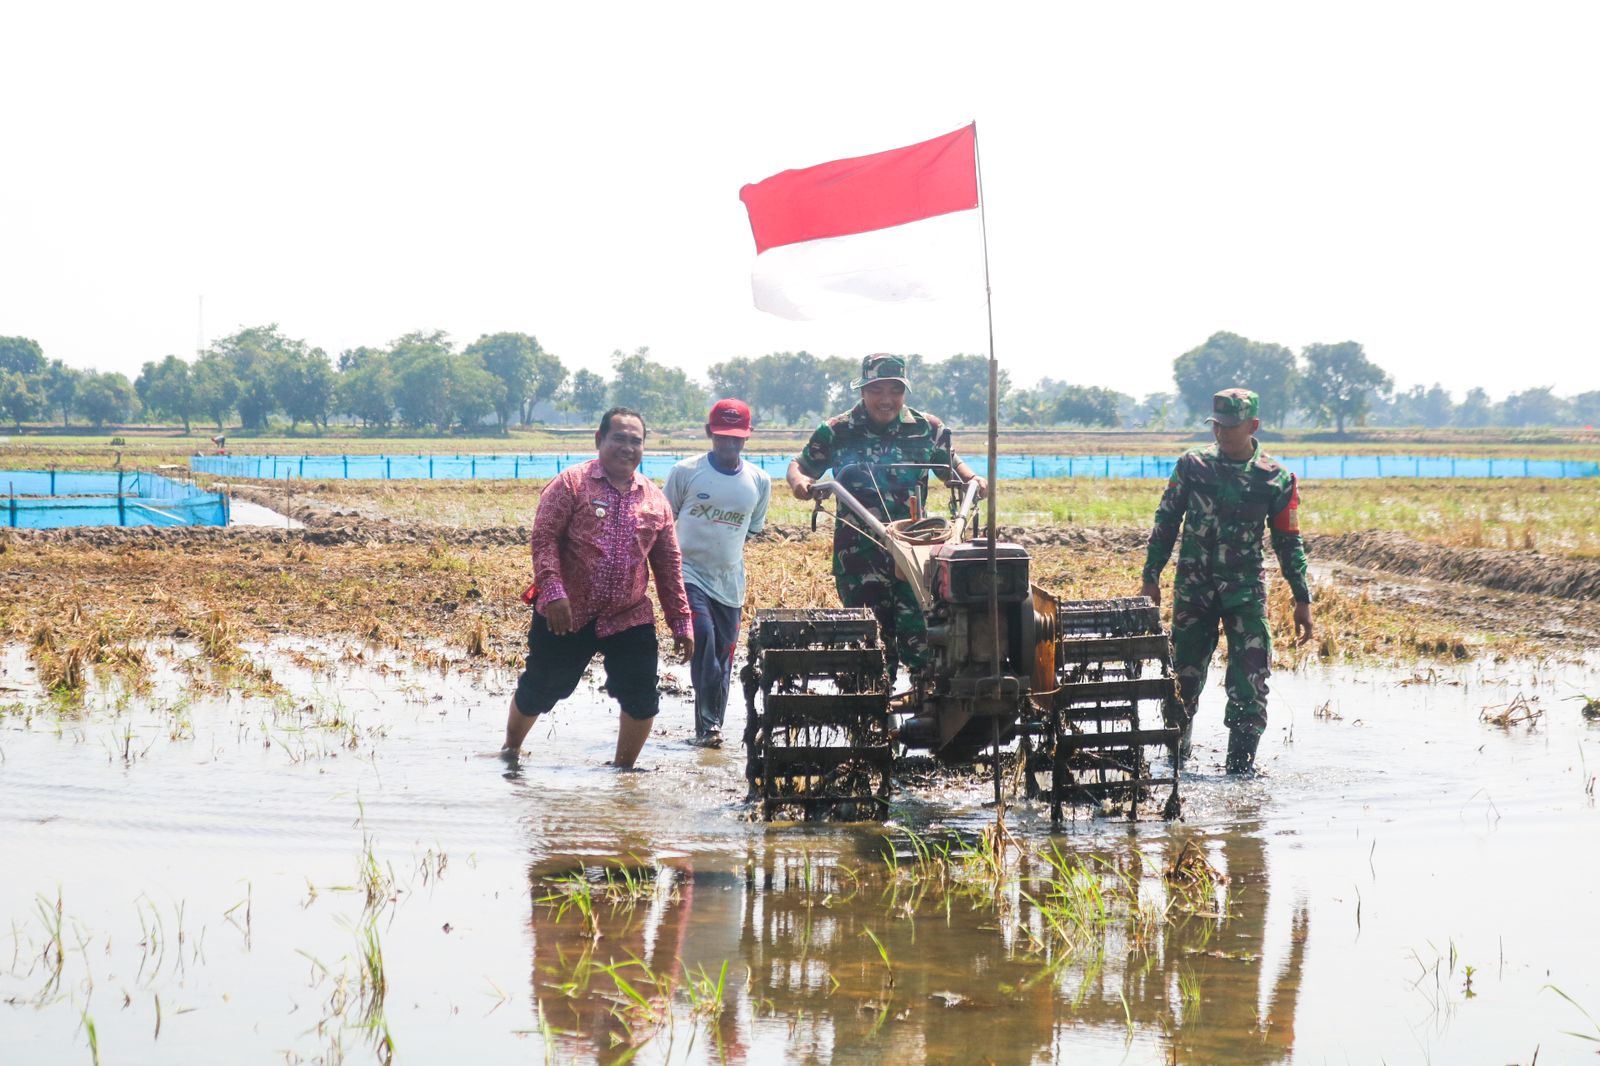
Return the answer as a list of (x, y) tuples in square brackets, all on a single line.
[(339, 868)]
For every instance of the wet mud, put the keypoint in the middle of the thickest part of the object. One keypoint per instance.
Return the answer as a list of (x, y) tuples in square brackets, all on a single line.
[(340, 870), (1530, 572), (218, 847)]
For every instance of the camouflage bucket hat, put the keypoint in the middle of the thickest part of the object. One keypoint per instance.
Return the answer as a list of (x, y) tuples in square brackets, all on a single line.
[(881, 367), (1233, 407)]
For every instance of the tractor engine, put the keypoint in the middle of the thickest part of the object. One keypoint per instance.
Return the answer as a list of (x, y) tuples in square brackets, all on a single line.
[(966, 695), (960, 629)]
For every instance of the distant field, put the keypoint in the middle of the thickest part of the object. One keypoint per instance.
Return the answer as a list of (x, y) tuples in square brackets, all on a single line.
[(146, 448), (1552, 516)]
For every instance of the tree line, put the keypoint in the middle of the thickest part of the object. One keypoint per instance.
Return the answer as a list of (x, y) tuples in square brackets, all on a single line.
[(1337, 385), (259, 377)]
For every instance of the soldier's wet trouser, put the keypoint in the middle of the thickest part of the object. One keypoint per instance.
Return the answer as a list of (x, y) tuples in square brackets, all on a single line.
[(1195, 618), (893, 601)]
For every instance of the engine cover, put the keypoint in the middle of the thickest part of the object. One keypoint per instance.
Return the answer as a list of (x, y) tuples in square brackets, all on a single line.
[(961, 572)]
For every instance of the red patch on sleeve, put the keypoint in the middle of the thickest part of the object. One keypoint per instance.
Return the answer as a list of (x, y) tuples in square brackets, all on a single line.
[(1288, 519)]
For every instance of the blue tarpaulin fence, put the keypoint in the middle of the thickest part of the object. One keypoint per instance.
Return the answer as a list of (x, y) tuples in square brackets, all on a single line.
[(52, 499), (543, 466)]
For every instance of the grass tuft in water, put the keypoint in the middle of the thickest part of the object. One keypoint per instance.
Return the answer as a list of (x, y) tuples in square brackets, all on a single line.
[(1595, 1037)]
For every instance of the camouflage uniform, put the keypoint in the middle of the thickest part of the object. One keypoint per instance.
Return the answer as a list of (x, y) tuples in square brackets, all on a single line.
[(1222, 506), (863, 572)]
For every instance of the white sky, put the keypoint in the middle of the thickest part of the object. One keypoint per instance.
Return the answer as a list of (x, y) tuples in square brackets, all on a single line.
[(1418, 177)]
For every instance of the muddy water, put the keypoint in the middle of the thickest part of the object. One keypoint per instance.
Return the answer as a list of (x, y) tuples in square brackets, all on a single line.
[(327, 873)]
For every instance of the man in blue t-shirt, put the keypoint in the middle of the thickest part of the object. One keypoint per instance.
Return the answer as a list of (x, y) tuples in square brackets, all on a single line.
[(720, 501)]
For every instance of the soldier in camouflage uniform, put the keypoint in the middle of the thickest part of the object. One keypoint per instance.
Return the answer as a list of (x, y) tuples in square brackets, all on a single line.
[(1222, 495), (858, 445)]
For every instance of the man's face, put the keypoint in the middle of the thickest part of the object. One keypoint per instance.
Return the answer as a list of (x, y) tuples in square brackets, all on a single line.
[(725, 448), (883, 400), (1235, 439), (622, 447)]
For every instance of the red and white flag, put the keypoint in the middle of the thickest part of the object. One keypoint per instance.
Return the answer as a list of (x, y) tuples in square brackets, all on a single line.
[(899, 225)]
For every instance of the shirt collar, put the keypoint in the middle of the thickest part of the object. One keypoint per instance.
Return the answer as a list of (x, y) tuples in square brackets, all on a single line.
[(711, 461), (597, 471)]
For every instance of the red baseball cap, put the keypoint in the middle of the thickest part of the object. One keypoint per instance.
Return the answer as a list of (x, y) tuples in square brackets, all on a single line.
[(729, 418)]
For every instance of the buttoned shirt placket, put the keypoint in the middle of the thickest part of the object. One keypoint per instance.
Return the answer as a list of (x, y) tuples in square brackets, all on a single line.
[(619, 543)]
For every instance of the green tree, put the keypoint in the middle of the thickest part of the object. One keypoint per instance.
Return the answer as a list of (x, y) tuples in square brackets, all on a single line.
[(1087, 405), (1337, 382), (216, 389), (789, 384), (512, 358), (661, 393), (548, 376), (962, 381), (735, 378), (1226, 361), (839, 371), (421, 362), (433, 386), (355, 358), (925, 387), (302, 384), (1534, 407), (21, 355), (1030, 407), (473, 391), (365, 387), (167, 389), (585, 393), (21, 397), (1434, 406), (1157, 411), (252, 355), (106, 398), (1586, 409), (61, 388), (1475, 409)]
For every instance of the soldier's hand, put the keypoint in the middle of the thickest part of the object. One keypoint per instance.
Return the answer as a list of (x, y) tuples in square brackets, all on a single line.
[(1151, 590), (801, 487), (1302, 623), (983, 486), (684, 646), (558, 616)]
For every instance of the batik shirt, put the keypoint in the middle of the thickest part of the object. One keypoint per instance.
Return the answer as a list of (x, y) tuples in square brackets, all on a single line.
[(594, 546), (859, 452), (1222, 506)]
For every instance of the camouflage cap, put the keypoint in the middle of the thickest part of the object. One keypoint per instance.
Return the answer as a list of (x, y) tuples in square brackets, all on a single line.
[(1234, 407), (881, 367)]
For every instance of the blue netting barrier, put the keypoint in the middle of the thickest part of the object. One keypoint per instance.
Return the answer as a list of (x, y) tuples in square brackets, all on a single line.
[(52, 499), (544, 466)]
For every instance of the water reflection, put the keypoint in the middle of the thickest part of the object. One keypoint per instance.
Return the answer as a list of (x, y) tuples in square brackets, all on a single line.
[(862, 947)]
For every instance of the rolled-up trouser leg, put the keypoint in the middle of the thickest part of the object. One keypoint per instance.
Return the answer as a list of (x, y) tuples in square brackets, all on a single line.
[(1249, 664)]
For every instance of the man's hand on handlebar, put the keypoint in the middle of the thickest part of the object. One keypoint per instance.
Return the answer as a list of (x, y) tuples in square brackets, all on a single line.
[(983, 486), (800, 485)]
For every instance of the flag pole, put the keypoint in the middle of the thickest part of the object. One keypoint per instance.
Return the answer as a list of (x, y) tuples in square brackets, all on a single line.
[(994, 367), (994, 437)]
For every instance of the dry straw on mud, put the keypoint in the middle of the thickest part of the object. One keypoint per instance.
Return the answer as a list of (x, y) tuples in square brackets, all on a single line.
[(478, 638), (1520, 711)]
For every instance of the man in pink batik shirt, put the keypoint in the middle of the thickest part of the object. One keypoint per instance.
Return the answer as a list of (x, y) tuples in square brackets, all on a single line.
[(600, 529)]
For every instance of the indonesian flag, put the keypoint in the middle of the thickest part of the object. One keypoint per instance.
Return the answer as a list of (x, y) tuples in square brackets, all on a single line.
[(896, 226)]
